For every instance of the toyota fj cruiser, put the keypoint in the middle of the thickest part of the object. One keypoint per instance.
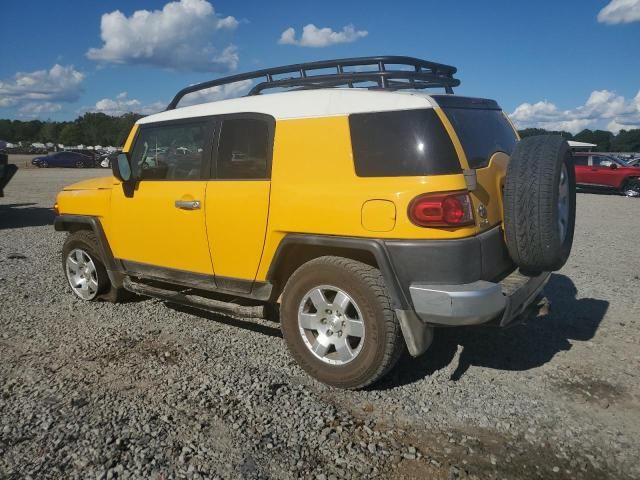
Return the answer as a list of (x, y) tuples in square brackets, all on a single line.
[(371, 215)]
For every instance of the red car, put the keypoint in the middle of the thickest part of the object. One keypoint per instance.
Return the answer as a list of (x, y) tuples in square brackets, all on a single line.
[(595, 171)]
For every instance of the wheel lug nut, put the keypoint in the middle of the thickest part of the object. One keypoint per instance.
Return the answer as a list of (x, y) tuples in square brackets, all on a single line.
[(324, 320), (339, 333), (328, 311), (329, 332)]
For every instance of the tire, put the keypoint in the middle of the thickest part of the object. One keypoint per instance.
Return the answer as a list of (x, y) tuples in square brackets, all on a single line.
[(85, 241), (367, 312), (44, 164), (631, 187), (540, 203)]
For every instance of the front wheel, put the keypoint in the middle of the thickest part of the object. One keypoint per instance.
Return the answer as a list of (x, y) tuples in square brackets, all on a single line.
[(85, 271), (79, 164), (337, 320)]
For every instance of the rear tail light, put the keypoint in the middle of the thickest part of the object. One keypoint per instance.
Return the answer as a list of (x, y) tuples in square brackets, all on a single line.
[(452, 209)]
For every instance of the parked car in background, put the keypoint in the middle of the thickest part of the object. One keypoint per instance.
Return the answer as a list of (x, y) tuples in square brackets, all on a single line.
[(634, 162), (64, 159), (7, 171), (595, 171), (106, 160)]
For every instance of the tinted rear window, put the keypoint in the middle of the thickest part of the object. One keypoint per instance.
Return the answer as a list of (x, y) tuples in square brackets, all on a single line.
[(401, 144), (482, 133)]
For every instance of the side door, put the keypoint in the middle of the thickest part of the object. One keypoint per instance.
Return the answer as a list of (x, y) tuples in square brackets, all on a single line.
[(604, 171), (582, 168), (158, 227), (237, 205)]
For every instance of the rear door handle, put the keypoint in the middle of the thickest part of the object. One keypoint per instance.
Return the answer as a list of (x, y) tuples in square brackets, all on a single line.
[(188, 204)]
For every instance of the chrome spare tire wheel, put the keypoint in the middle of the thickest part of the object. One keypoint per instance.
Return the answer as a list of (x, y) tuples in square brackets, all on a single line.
[(337, 320)]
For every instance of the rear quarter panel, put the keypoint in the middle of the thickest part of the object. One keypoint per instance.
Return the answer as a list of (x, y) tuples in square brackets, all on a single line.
[(315, 188)]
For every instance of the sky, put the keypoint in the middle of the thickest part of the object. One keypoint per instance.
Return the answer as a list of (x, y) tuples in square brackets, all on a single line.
[(569, 64)]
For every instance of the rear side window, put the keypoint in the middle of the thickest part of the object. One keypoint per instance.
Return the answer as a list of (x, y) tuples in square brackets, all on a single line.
[(581, 160), (401, 144), (243, 151), (169, 152), (482, 133)]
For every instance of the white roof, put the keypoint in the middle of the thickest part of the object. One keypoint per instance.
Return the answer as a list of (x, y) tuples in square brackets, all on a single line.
[(574, 144), (304, 104)]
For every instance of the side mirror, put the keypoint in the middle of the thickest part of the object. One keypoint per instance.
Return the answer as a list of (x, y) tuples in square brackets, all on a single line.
[(613, 166), (122, 168)]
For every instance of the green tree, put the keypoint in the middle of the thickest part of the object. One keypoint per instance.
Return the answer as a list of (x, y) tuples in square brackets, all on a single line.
[(529, 132), (601, 138), (627, 141), (71, 134)]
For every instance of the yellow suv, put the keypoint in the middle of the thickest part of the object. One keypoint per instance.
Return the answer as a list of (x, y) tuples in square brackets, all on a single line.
[(370, 211)]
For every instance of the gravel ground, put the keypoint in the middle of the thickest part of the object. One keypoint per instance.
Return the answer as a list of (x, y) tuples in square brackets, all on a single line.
[(149, 390)]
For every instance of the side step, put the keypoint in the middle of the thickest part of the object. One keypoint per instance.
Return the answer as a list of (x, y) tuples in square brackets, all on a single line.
[(197, 301)]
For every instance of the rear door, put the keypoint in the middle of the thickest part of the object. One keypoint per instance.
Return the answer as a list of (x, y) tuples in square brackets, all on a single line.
[(487, 139), (582, 168), (237, 205)]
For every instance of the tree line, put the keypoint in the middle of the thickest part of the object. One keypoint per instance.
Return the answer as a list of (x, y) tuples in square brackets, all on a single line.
[(88, 129), (624, 141), (102, 129)]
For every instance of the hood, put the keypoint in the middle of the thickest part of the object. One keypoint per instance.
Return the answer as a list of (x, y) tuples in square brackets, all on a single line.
[(100, 183)]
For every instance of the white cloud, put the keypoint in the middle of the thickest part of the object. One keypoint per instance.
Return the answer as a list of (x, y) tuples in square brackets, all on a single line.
[(122, 104), (213, 94), (603, 109), (36, 109), (41, 89), (177, 37), (313, 36), (620, 11)]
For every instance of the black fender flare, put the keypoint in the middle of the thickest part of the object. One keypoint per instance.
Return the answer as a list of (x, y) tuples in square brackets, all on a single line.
[(68, 223), (372, 246)]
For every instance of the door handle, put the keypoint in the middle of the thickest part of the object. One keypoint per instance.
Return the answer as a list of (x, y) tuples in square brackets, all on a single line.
[(188, 204)]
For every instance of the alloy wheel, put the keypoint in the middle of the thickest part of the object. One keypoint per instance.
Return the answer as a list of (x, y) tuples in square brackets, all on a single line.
[(82, 274), (331, 325)]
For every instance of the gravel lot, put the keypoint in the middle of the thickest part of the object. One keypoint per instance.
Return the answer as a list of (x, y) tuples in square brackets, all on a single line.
[(150, 390)]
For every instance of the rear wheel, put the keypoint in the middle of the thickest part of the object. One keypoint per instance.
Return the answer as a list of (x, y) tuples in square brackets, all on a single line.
[(631, 187), (338, 323)]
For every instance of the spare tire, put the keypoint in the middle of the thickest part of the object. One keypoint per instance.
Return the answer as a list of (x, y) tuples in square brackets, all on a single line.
[(540, 203)]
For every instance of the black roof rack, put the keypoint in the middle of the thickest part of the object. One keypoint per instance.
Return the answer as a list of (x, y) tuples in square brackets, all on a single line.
[(384, 73)]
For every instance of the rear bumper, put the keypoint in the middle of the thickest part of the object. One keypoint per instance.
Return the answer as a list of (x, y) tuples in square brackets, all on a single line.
[(476, 302)]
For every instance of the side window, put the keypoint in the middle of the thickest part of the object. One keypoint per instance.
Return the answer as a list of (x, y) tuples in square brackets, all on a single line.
[(169, 152), (581, 160), (601, 161), (243, 151)]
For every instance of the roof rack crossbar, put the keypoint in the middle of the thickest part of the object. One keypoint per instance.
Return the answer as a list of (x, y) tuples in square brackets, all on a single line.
[(425, 74)]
